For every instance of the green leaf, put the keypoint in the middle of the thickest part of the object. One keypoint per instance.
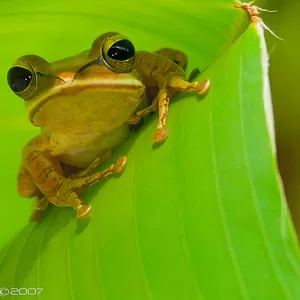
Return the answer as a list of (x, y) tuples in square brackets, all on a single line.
[(203, 216)]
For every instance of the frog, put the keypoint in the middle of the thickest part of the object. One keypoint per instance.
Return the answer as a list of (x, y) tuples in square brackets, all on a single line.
[(85, 105)]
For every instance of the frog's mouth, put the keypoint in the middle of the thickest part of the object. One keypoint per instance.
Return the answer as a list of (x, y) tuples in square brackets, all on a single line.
[(98, 98)]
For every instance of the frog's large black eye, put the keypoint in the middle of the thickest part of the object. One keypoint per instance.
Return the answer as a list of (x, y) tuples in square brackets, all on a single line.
[(121, 50), (116, 51), (19, 79)]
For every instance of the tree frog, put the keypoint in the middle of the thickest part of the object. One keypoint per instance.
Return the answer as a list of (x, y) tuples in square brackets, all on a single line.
[(84, 105)]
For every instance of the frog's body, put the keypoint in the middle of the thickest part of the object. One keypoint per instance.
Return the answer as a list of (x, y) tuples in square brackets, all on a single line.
[(84, 105)]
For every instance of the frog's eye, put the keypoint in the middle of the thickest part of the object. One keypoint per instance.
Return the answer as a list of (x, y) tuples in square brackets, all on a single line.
[(23, 76), (19, 79), (121, 50), (118, 53)]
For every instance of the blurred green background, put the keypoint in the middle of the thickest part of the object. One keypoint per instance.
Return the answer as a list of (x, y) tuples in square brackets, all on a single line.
[(284, 77)]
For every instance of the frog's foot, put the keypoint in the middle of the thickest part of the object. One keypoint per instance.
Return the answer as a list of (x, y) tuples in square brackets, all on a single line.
[(160, 134), (67, 194), (200, 87), (83, 211), (41, 204), (177, 84)]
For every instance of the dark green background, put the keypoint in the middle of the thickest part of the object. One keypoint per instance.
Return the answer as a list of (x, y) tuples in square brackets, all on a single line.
[(284, 76)]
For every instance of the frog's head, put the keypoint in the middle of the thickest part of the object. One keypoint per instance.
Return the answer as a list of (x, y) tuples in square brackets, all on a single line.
[(99, 86)]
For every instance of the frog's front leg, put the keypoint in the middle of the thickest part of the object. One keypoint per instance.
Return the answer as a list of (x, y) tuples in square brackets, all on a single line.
[(168, 88), (136, 118), (173, 83), (47, 174)]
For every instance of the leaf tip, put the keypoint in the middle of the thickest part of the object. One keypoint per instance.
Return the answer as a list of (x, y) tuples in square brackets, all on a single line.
[(253, 12)]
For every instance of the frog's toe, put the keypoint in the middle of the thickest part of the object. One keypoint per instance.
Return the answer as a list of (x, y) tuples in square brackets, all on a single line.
[(83, 211), (160, 134), (202, 87), (134, 120), (120, 165)]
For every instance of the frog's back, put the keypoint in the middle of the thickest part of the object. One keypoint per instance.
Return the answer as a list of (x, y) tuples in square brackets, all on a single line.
[(178, 57), (153, 67)]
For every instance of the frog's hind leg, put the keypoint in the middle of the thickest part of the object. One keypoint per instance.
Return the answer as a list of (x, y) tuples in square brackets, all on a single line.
[(97, 161), (72, 187), (47, 173), (74, 172), (176, 56), (41, 204), (86, 179), (26, 185), (76, 183), (28, 188)]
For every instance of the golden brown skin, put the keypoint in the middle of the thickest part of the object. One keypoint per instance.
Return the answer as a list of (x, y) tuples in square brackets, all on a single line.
[(165, 71), (84, 105)]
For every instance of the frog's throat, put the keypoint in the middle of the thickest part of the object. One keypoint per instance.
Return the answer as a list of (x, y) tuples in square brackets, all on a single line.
[(134, 85)]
